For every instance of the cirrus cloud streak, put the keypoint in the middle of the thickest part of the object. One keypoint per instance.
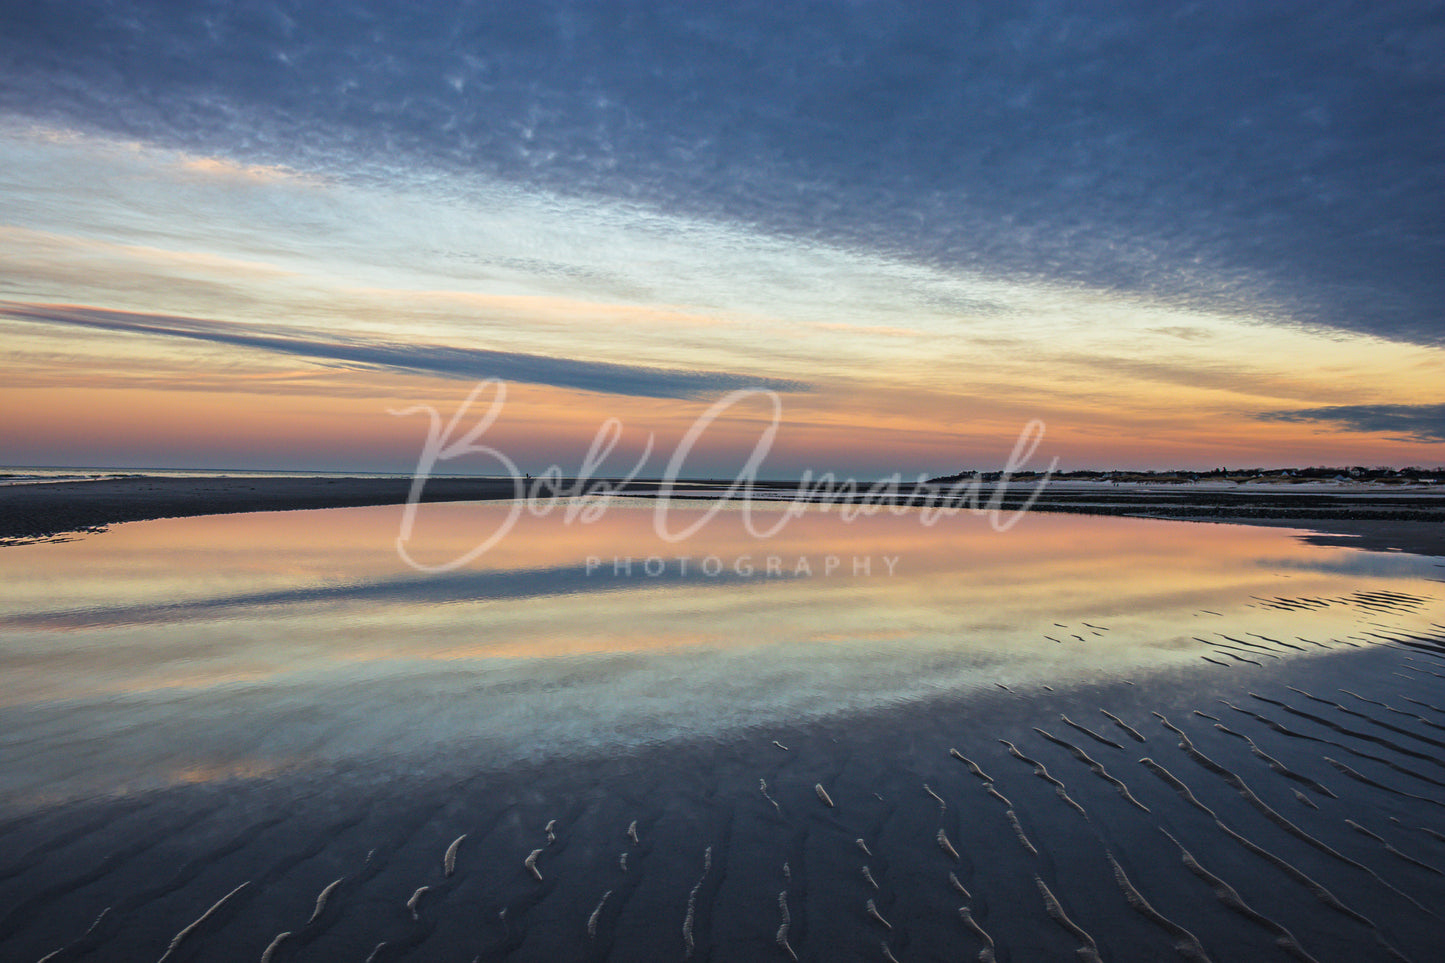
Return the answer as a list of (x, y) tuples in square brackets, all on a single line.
[(441, 360)]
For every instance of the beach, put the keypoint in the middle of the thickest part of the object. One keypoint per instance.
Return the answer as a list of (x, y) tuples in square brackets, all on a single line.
[(46, 509), (258, 736), (1375, 516), (1243, 820)]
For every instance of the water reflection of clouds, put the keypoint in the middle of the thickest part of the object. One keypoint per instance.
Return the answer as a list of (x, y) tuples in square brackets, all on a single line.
[(440, 589), (1362, 563), (300, 639)]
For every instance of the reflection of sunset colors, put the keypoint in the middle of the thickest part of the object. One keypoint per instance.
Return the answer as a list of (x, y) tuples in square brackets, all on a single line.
[(308, 624), (321, 592)]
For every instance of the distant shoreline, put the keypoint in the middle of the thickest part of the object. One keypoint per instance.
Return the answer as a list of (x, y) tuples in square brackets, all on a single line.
[(1384, 518)]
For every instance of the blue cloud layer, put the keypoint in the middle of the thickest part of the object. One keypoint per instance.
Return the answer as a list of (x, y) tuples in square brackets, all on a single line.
[(471, 364), (1414, 422), (1283, 159)]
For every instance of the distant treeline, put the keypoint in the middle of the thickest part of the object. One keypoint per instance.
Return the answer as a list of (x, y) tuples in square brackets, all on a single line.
[(1385, 474)]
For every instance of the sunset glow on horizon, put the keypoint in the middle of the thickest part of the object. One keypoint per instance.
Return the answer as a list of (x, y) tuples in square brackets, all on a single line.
[(921, 230)]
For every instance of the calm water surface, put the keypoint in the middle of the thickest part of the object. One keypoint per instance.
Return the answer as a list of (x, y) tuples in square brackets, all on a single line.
[(246, 645)]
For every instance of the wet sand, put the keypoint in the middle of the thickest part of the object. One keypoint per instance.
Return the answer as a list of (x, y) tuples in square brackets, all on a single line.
[(44, 510), (1383, 520), (1272, 807), (1417, 537)]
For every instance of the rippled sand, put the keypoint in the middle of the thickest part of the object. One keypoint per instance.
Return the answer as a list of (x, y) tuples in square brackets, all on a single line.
[(1272, 807)]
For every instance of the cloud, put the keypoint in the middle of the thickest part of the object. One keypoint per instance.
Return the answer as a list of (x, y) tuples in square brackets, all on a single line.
[(470, 364), (222, 169), (1238, 157), (1414, 422), (1233, 375)]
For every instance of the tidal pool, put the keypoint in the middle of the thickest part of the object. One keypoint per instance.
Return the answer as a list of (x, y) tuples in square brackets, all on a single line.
[(247, 645)]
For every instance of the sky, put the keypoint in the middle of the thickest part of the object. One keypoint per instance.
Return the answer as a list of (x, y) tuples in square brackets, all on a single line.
[(1173, 235)]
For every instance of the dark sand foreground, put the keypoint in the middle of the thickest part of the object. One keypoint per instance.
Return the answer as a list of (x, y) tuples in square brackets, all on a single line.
[(1273, 807)]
